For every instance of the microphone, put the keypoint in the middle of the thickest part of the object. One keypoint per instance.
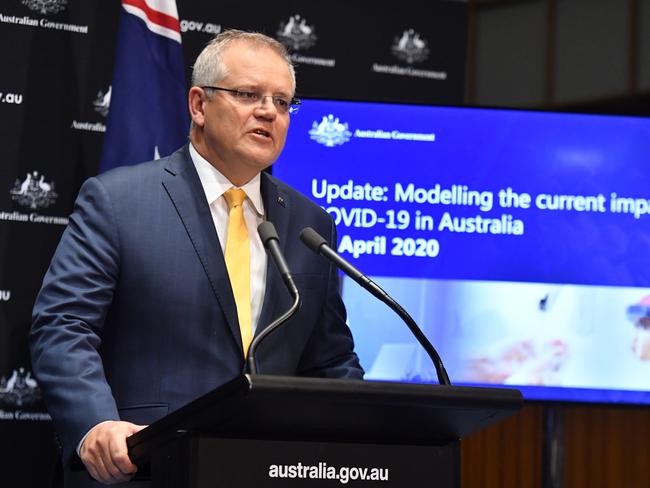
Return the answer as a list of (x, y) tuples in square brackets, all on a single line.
[(271, 241), (314, 241), (269, 237)]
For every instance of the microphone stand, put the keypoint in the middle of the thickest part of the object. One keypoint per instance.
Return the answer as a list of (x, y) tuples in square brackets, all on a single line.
[(270, 239), (319, 245)]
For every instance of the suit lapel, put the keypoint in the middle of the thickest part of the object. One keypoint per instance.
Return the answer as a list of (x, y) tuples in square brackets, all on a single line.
[(183, 186), (277, 210)]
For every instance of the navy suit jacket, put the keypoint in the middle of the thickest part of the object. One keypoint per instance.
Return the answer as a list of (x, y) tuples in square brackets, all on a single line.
[(136, 315)]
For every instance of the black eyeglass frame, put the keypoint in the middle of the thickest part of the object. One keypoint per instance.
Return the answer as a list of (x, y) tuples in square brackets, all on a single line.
[(292, 106)]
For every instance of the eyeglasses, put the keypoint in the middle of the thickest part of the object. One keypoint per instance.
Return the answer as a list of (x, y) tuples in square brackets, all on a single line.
[(282, 104)]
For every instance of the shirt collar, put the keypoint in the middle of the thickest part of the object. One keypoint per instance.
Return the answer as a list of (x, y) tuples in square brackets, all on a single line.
[(215, 184)]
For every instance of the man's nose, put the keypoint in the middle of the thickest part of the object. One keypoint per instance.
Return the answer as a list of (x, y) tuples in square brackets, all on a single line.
[(266, 107)]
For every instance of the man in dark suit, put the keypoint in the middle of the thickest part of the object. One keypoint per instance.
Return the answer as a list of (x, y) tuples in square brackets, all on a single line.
[(141, 310)]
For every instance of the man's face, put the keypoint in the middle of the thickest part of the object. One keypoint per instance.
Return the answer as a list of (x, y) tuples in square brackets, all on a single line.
[(239, 139)]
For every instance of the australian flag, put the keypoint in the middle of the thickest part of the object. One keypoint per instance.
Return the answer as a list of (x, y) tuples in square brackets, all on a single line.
[(148, 115)]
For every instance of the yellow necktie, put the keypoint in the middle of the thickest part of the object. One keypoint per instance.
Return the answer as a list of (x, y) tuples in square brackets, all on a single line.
[(238, 262)]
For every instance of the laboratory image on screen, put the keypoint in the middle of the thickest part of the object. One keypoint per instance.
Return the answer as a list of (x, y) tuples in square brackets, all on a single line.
[(519, 241)]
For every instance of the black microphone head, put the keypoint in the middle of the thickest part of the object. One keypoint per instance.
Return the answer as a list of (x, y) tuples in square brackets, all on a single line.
[(312, 239), (266, 231)]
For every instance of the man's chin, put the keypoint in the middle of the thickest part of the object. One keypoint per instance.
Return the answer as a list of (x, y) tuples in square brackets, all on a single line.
[(261, 160)]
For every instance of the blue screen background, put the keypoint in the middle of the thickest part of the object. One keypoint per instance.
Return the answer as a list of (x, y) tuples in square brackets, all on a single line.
[(545, 308)]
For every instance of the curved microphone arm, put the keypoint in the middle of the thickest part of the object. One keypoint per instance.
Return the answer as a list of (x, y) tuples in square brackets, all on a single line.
[(319, 245), (443, 377), (250, 360), (270, 239)]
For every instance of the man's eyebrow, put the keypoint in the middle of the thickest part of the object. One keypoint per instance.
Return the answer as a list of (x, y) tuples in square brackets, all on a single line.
[(258, 88)]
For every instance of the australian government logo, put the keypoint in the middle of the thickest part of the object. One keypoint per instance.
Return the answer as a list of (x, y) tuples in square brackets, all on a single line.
[(297, 35), (411, 48), (34, 193), (101, 105), (330, 131), (19, 390), (44, 7), (103, 102)]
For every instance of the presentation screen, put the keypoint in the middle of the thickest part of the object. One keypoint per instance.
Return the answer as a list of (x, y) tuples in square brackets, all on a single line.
[(519, 241)]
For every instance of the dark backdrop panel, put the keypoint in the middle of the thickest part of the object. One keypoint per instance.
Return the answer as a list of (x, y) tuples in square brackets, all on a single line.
[(56, 59), (351, 50), (53, 64)]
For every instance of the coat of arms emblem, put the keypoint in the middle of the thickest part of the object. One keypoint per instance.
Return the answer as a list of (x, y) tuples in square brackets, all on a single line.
[(330, 131), (103, 102), (410, 47), (34, 192), (45, 7), (19, 389), (296, 34)]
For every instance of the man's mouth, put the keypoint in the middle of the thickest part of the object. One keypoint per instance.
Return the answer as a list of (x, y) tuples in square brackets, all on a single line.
[(262, 132)]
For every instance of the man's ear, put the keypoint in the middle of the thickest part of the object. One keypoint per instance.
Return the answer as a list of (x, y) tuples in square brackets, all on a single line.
[(195, 103)]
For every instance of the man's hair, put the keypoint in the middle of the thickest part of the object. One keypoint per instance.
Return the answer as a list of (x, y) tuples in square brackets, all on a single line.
[(209, 68)]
